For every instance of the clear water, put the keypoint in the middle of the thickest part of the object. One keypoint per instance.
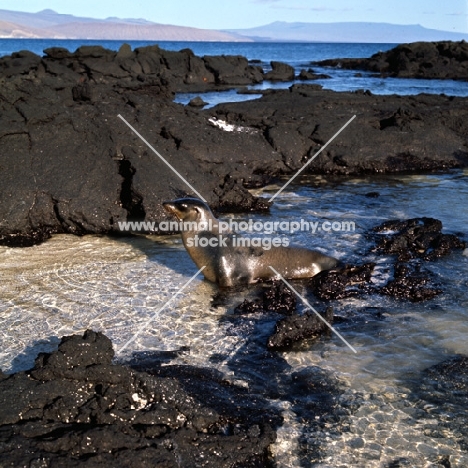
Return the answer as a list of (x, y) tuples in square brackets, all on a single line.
[(119, 286)]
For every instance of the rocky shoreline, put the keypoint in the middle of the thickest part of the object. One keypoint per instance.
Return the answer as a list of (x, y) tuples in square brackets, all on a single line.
[(76, 408), (70, 165), (427, 60)]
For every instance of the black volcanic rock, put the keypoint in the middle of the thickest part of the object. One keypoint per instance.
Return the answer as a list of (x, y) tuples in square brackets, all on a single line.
[(347, 281), (76, 408), (233, 70), (411, 241), (19, 63), (70, 165), (276, 298), (183, 69), (293, 329), (389, 134), (311, 75), (410, 283), (280, 72), (446, 382), (438, 60), (197, 102), (415, 238), (296, 328)]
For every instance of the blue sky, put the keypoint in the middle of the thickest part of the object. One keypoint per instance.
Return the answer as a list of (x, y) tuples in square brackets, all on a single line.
[(448, 15)]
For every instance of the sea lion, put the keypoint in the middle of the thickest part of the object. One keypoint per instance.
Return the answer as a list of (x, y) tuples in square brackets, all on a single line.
[(229, 264)]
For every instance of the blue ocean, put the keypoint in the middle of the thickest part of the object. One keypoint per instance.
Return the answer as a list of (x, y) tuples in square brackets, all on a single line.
[(299, 55)]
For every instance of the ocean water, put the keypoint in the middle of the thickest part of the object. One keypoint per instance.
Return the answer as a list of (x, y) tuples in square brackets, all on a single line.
[(295, 53), (299, 55)]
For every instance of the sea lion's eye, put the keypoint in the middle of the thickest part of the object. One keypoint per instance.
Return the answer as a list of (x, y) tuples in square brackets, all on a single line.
[(184, 206)]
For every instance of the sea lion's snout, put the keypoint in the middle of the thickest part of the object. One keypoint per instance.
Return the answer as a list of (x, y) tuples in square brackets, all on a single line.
[(170, 207), (177, 208), (186, 208)]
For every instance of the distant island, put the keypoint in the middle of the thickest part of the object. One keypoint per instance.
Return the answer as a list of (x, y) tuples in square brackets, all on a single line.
[(346, 32), (48, 24)]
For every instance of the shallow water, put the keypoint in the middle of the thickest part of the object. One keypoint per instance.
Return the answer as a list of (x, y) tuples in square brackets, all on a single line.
[(119, 286), (340, 81)]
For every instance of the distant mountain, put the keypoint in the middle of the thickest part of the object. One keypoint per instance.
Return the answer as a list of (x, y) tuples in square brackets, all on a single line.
[(8, 29), (53, 25), (50, 24), (346, 32)]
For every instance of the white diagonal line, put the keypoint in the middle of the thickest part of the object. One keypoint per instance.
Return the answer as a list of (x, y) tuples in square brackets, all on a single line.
[(134, 337), (310, 160), (306, 302), (160, 157)]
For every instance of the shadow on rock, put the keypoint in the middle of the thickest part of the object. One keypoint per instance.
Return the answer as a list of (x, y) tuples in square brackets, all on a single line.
[(25, 360)]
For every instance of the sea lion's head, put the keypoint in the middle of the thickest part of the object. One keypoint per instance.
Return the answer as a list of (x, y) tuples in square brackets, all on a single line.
[(189, 209)]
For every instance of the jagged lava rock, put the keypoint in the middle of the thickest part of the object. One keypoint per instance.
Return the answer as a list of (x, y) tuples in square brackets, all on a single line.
[(70, 165), (389, 134), (280, 72), (296, 328), (428, 60), (76, 408), (276, 298)]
